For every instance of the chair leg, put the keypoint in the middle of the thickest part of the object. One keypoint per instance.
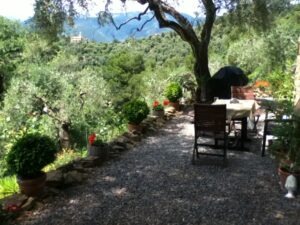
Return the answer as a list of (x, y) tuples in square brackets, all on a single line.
[(263, 146), (263, 149), (225, 150), (195, 153), (256, 119)]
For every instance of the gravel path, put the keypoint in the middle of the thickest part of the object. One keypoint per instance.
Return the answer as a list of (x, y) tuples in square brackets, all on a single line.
[(155, 183)]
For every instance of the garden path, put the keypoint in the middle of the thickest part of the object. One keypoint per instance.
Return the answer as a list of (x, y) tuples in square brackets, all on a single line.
[(155, 183)]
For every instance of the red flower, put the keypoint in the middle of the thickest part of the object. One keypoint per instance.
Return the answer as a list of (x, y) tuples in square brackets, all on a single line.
[(12, 208), (166, 102), (155, 103), (92, 138)]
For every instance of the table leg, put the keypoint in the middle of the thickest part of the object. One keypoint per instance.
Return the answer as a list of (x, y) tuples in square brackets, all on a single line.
[(244, 131)]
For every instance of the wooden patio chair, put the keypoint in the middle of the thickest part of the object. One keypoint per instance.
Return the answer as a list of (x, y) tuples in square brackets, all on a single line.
[(271, 123), (210, 123), (247, 93), (270, 126)]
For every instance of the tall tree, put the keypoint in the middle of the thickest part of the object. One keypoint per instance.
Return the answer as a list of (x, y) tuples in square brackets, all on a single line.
[(257, 10)]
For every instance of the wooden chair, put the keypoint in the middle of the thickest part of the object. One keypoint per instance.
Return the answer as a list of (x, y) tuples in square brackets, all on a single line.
[(247, 93), (270, 129), (242, 92), (210, 123)]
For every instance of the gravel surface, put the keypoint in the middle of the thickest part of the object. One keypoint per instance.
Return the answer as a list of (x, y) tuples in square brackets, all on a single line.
[(155, 183)]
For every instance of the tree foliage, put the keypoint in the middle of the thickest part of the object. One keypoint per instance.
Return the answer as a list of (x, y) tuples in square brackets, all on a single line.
[(11, 47)]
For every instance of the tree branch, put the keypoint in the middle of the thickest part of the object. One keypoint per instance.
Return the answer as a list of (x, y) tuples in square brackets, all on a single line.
[(138, 17), (50, 111), (147, 21), (182, 26), (211, 10)]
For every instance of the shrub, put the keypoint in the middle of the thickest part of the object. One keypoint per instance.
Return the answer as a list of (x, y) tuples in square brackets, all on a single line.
[(173, 92), (30, 154), (135, 111)]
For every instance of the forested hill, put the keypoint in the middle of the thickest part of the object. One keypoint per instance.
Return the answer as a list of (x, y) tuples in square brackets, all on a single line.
[(90, 29)]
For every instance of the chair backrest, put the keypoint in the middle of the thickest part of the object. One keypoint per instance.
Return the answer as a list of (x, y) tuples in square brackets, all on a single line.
[(210, 118), (242, 92)]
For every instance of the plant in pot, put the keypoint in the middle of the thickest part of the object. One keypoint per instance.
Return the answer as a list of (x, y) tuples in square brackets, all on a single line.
[(158, 109), (135, 112), (286, 149), (26, 159), (173, 93), (96, 147)]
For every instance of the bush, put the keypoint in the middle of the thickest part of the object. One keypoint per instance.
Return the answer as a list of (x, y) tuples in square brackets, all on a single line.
[(173, 92), (30, 154), (135, 111)]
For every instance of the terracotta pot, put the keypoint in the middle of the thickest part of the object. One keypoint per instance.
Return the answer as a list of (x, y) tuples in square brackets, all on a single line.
[(99, 151), (175, 105), (32, 186), (158, 113), (283, 174), (135, 127)]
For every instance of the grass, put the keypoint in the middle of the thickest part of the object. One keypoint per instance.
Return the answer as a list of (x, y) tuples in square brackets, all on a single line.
[(8, 186), (64, 157)]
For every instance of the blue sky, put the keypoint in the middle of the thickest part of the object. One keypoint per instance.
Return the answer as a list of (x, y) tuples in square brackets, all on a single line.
[(23, 9)]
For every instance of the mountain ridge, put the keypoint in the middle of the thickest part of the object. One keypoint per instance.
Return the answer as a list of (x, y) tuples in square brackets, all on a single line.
[(90, 29)]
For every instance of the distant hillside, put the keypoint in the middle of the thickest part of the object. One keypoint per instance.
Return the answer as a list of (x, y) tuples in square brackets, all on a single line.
[(91, 30)]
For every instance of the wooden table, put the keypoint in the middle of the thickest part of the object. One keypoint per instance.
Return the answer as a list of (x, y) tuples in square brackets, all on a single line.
[(239, 110)]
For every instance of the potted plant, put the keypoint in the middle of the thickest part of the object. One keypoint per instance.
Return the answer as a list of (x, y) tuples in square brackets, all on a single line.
[(27, 158), (135, 112), (286, 149), (96, 147), (158, 109), (173, 93)]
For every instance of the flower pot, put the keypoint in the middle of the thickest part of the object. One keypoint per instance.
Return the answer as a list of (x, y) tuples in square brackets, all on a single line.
[(283, 174), (32, 186), (158, 113), (99, 151), (134, 127), (175, 105)]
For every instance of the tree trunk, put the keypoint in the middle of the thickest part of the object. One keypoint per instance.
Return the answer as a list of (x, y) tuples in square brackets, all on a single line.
[(64, 135), (202, 73), (202, 69)]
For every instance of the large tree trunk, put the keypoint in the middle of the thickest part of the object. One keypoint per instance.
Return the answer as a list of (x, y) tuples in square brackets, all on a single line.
[(64, 135), (202, 73)]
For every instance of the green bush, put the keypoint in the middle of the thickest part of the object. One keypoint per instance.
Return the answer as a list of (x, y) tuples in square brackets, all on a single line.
[(135, 111), (30, 154), (173, 92)]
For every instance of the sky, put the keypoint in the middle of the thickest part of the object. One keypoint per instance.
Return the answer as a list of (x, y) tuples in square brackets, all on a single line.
[(23, 9)]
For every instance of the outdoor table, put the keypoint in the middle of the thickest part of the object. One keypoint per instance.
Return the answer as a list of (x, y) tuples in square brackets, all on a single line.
[(241, 110)]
